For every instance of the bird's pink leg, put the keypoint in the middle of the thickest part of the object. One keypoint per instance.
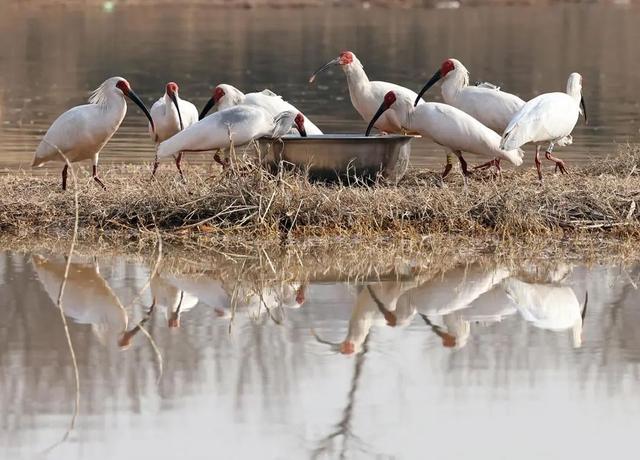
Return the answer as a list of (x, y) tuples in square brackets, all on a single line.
[(156, 163), (538, 163), (559, 163), (96, 178), (495, 162), (178, 161), (64, 177)]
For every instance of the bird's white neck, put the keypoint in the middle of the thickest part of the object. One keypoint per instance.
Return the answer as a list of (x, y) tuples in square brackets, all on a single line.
[(574, 86), (356, 78), (170, 106), (454, 82)]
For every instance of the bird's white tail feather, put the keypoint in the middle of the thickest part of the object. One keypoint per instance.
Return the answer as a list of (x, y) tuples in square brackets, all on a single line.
[(513, 139), (283, 123)]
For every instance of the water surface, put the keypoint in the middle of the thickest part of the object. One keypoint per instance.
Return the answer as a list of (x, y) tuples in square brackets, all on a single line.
[(54, 56), (479, 361)]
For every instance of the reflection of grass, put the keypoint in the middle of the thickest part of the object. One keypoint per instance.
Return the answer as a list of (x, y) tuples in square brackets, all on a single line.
[(594, 204)]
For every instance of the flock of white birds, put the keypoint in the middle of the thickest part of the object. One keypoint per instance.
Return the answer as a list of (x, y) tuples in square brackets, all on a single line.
[(478, 119)]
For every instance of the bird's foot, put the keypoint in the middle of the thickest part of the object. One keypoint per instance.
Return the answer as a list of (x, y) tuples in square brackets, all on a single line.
[(100, 183), (559, 163)]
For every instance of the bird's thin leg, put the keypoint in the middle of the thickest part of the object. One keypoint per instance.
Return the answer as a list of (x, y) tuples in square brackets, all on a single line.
[(495, 162), (538, 163), (448, 166), (96, 178), (156, 163), (64, 177), (178, 161), (559, 163), (218, 159), (463, 166)]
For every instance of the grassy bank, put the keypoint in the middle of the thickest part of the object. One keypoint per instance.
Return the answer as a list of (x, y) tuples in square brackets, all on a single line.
[(596, 204)]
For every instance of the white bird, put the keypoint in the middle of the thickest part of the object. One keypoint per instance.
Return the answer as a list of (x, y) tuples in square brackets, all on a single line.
[(87, 297), (484, 102), (367, 95), (255, 302), (549, 118), (376, 304), (447, 295), (170, 115), (226, 96), (237, 125), (548, 306), (166, 296), (449, 127), (81, 132)]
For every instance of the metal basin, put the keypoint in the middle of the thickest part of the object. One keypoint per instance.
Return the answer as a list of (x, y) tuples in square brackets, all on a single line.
[(341, 155)]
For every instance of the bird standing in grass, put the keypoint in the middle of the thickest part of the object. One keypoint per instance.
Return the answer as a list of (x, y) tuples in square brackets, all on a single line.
[(171, 115), (449, 127), (80, 133), (484, 102), (549, 118)]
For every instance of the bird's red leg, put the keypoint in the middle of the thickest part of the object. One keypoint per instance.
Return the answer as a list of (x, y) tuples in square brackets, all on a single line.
[(538, 163), (219, 160), (495, 162), (64, 177), (96, 178), (178, 161), (559, 163)]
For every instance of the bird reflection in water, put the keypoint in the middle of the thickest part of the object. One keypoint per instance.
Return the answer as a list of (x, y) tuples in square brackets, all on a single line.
[(87, 297)]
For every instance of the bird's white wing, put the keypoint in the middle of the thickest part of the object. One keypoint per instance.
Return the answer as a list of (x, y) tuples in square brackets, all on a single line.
[(457, 130), (275, 105), (80, 129), (239, 124), (544, 118), (491, 107)]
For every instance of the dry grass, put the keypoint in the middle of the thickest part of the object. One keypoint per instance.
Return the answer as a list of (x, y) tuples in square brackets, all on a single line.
[(593, 206)]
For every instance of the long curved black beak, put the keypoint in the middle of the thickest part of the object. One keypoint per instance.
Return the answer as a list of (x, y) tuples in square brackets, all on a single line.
[(584, 109), (301, 130), (205, 110), (584, 308), (383, 107), (175, 102), (333, 62), (134, 97), (436, 76)]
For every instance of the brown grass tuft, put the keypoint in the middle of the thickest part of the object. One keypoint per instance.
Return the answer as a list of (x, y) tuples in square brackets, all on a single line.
[(248, 204)]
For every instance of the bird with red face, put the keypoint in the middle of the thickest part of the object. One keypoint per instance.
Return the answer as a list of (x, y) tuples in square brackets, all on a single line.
[(449, 127), (226, 96), (486, 103), (80, 133), (171, 115), (366, 96)]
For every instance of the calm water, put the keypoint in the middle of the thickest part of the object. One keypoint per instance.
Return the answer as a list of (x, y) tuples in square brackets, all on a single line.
[(53, 57), (483, 362)]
